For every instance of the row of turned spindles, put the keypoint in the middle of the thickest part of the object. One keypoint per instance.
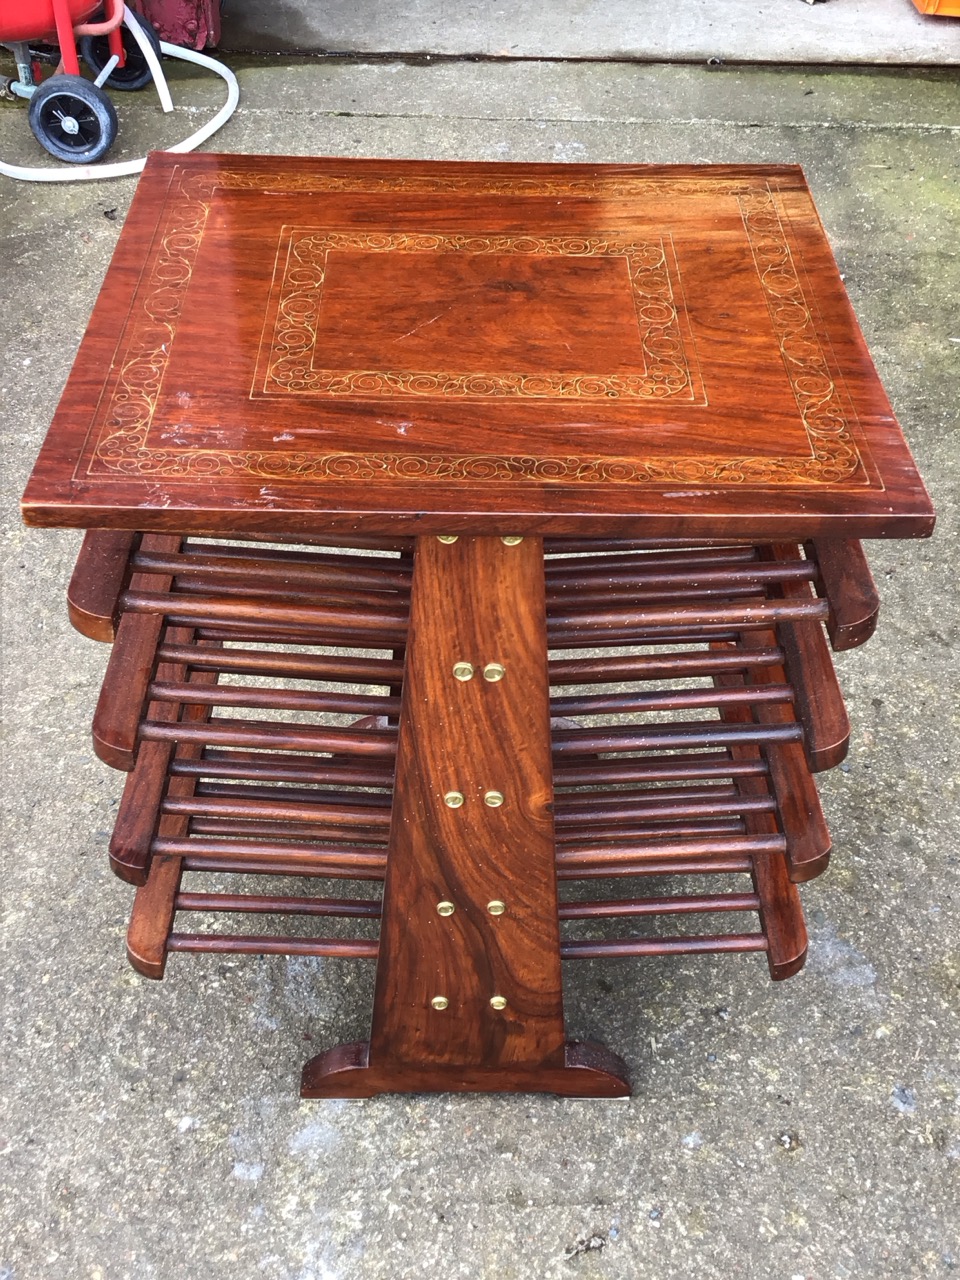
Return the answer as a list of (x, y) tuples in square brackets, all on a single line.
[(728, 796)]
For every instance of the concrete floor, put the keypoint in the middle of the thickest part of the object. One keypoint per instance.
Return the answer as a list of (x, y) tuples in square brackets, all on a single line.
[(804, 1131), (778, 31)]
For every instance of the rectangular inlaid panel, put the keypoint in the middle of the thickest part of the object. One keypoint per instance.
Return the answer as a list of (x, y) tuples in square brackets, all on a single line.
[(603, 318), (390, 343)]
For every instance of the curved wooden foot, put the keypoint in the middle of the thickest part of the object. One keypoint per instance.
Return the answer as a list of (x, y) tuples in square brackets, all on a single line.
[(589, 1071)]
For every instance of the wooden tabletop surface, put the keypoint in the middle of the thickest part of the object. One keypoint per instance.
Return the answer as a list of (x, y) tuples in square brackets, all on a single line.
[(291, 344)]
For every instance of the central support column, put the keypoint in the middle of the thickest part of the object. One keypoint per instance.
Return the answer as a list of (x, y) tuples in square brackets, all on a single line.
[(468, 993)]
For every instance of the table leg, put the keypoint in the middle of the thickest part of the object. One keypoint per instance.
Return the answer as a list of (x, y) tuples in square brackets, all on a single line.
[(468, 993)]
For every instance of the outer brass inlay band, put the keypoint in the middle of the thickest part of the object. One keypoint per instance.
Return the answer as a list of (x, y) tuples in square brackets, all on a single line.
[(122, 426)]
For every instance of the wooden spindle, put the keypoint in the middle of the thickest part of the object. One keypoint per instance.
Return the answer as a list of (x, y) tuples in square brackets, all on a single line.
[(691, 904), (621, 948), (264, 904), (252, 945), (275, 736)]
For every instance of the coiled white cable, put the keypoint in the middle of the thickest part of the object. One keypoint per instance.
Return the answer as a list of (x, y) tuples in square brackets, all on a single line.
[(125, 168)]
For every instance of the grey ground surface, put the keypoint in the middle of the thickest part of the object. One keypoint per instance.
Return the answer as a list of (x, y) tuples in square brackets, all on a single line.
[(804, 1131), (868, 31)]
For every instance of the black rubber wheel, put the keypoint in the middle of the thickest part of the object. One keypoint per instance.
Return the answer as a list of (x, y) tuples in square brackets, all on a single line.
[(73, 119), (135, 73)]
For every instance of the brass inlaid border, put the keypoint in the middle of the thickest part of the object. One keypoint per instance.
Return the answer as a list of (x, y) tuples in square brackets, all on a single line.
[(287, 358), (122, 447)]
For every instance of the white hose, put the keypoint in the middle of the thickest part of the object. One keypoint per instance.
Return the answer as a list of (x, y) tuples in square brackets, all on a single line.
[(153, 62), (225, 112), (126, 168)]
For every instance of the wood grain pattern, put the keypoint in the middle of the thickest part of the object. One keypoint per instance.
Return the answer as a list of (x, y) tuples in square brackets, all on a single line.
[(154, 909), (102, 571), (588, 1070), (123, 695), (140, 805), (452, 739), (799, 813), (845, 579), (819, 701), (646, 350)]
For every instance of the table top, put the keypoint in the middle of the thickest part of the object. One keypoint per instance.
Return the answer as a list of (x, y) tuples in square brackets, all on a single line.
[(289, 344)]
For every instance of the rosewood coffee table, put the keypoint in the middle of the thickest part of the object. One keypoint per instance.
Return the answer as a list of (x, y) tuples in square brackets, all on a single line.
[(469, 359)]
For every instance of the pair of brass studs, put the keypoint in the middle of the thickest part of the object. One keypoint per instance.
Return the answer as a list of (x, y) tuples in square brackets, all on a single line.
[(441, 1002), (447, 908), (447, 538), (492, 672), (455, 799)]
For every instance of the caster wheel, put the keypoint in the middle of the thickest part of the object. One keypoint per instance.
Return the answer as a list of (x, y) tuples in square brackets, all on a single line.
[(73, 119), (135, 73)]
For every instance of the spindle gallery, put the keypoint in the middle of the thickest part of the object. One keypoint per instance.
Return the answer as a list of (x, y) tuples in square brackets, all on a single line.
[(470, 541)]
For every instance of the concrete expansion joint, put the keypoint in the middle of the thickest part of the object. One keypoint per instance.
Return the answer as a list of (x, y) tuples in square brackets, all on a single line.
[(708, 122)]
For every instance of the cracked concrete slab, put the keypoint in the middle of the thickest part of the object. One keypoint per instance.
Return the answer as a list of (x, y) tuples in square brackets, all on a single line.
[(810, 1129)]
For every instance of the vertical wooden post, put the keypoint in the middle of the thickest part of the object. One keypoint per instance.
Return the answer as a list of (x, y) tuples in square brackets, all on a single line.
[(468, 989)]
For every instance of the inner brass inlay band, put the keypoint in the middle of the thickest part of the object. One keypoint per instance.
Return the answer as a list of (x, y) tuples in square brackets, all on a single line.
[(288, 353)]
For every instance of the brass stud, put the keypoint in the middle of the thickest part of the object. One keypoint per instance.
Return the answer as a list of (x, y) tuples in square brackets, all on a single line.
[(494, 799), (498, 1002), (463, 670), (445, 908), (511, 541), (494, 671), (496, 907), (453, 799), (447, 537), (439, 1003)]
